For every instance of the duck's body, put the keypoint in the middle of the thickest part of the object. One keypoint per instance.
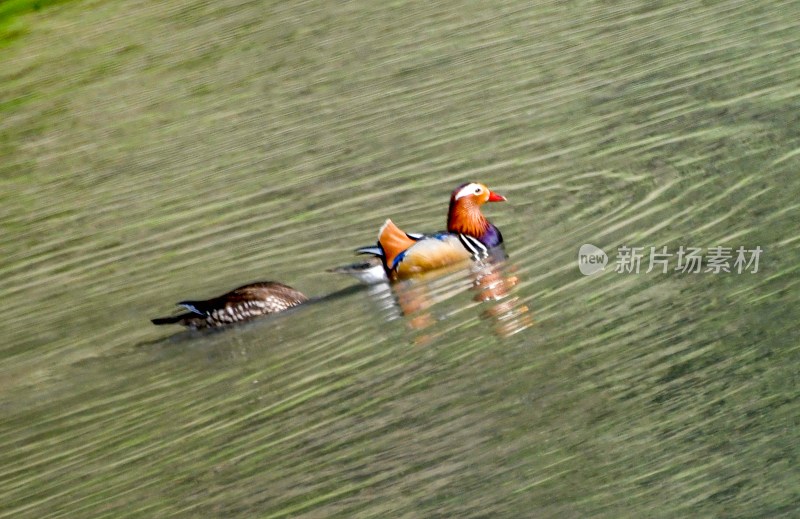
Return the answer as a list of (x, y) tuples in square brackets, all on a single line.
[(469, 235), (407, 255), (241, 304)]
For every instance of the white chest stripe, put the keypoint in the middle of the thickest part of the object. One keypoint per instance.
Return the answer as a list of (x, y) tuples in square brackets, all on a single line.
[(473, 245)]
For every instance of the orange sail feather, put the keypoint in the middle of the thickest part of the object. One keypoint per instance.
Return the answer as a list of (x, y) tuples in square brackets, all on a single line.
[(393, 241)]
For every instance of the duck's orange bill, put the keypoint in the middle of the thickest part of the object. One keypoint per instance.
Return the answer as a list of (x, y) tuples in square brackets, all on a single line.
[(494, 197)]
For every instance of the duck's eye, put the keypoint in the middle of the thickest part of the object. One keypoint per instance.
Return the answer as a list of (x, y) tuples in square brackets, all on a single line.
[(478, 191)]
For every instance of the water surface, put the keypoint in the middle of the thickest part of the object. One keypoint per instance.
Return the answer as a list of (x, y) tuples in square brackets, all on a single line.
[(155, 153)]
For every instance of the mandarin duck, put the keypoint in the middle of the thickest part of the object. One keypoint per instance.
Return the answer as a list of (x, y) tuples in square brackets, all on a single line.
[(241, 304), (469, 235)]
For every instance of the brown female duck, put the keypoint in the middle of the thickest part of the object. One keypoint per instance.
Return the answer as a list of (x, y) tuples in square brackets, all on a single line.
[(241, 304)]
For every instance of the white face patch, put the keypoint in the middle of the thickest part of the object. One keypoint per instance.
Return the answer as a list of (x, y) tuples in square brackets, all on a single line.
[(469, 189)]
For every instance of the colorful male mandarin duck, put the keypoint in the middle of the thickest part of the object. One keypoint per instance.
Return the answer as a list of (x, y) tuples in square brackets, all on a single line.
[(242, 304), (469, 235)]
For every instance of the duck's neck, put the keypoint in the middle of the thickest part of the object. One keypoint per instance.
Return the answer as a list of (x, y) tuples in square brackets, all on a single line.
[(466, 218)]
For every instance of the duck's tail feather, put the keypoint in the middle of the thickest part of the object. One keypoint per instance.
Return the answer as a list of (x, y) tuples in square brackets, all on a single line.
[(393, 241), (193, 306), (369, 272), (374, 250), (169, 320)]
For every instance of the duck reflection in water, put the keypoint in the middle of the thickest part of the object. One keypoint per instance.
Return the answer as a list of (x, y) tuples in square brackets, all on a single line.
[(490, 280)]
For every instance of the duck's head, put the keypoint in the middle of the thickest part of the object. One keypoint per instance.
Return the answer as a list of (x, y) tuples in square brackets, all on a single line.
[(464, 216), (474, 193)]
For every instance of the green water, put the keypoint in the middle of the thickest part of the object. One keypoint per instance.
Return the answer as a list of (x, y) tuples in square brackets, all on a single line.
[(159, 151)]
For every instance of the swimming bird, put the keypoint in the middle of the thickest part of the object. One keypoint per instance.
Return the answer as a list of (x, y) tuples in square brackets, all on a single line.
[(469, 235), (241, 304)]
